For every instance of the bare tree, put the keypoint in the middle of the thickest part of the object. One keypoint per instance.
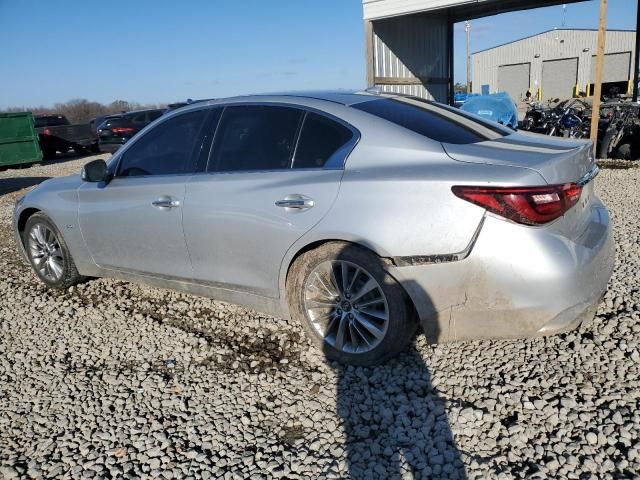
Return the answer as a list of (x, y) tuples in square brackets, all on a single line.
[(80, 110)]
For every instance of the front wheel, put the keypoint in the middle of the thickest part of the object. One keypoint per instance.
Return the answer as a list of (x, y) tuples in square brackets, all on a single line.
[(349, 305), (48, 253)]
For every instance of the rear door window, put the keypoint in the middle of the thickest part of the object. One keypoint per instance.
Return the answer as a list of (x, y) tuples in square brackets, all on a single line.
[(320, 139), (255, 138), (433, 120), (167, 149)]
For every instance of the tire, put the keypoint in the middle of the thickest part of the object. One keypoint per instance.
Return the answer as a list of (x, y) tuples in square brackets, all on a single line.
[(626, 150), (79, 150), (604, 149), (359, 346), (48, 154), (32, 238)]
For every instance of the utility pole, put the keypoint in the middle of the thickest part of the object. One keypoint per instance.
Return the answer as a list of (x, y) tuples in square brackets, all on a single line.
[(597, 90), (467, 28)]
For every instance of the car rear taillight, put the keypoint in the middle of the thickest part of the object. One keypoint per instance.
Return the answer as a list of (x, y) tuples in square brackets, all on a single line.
[(526, 205), (122, 130)]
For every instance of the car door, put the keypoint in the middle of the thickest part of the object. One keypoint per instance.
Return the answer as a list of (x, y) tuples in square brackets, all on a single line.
[(257, 198), (134, 223)]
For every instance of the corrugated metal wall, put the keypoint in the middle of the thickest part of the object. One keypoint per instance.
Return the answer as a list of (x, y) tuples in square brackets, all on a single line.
[(411, 55), (551, 45)]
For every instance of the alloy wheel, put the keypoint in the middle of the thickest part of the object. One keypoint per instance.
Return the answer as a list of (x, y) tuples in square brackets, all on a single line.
[(45, 252), (346, 306)]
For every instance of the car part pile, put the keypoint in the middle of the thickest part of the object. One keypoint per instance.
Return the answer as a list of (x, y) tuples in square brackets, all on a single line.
[(621, 139), (618, 130)]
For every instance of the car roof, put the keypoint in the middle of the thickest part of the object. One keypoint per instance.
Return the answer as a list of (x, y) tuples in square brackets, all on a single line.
[(144, 110), (343, 97)]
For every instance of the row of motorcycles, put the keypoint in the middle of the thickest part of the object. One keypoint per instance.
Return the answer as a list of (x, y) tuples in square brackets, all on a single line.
[(618, 127)]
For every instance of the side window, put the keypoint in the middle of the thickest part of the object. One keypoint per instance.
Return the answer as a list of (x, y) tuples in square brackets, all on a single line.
[(154, 115), (255, 138), (165, 150), (320, 138), (140, 118)]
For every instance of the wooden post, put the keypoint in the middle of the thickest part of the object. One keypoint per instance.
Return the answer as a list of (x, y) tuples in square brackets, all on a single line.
[(597, 89), (369, 61), (450, 43), (637, 62), (467, 28)]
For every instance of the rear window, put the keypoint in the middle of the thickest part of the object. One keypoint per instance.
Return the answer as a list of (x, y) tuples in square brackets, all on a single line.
[(50, 121), (433, 120), (116, 122)]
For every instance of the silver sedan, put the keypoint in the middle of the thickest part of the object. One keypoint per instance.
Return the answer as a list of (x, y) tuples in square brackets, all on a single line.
[(360, 216)]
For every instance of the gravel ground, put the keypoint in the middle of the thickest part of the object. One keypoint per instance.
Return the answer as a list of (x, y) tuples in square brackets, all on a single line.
[(111, 379)]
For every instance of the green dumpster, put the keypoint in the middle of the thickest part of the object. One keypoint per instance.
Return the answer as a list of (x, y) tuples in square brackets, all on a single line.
[(18, 139)]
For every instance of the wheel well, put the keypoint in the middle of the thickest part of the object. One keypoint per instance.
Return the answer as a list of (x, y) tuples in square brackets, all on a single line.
[(24, 216), (386, 261)]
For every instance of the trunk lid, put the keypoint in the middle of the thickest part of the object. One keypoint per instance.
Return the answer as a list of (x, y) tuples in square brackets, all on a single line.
[(557, 160)]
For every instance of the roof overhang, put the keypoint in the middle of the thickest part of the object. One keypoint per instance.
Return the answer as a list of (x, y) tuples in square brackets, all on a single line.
[(458, 10)]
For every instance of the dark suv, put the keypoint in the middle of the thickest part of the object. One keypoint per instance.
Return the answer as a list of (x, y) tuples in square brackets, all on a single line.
[(116, 130)]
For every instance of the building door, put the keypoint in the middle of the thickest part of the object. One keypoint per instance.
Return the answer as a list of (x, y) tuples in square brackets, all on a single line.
[(617, 67), (559, 78), (615, 74), (514, 79)]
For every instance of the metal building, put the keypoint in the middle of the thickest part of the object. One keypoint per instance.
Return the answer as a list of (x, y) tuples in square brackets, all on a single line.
[(409, 43), (555, 64)]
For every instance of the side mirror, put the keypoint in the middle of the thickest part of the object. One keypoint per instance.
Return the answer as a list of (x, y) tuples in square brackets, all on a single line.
[(95, 171)]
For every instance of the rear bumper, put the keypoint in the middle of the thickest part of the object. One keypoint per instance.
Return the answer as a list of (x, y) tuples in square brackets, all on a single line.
[(518, 282)]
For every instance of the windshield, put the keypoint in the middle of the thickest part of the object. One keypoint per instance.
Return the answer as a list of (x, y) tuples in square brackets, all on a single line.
[(434, 120)]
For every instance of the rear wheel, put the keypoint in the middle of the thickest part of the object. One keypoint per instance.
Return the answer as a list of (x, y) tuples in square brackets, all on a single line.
[(49, 154), (349, 305), (48, 253)]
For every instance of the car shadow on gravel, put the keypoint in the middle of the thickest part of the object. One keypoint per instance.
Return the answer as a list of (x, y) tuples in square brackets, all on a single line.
[(10, 185), (394, 419)]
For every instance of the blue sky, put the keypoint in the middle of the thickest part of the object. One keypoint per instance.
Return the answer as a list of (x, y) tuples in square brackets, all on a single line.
[(162, 51)]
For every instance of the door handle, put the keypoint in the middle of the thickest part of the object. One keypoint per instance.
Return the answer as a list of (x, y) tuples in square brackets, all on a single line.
[(165, 202), (296, 201)]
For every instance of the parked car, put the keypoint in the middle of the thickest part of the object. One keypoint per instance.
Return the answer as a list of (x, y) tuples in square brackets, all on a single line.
[(357, 215), (56, 134), (117, 129), (189, 101), (96, 122)]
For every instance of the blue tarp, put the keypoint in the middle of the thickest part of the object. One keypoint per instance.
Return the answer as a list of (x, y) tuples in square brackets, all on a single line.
[(497, 107), (459, 98)]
